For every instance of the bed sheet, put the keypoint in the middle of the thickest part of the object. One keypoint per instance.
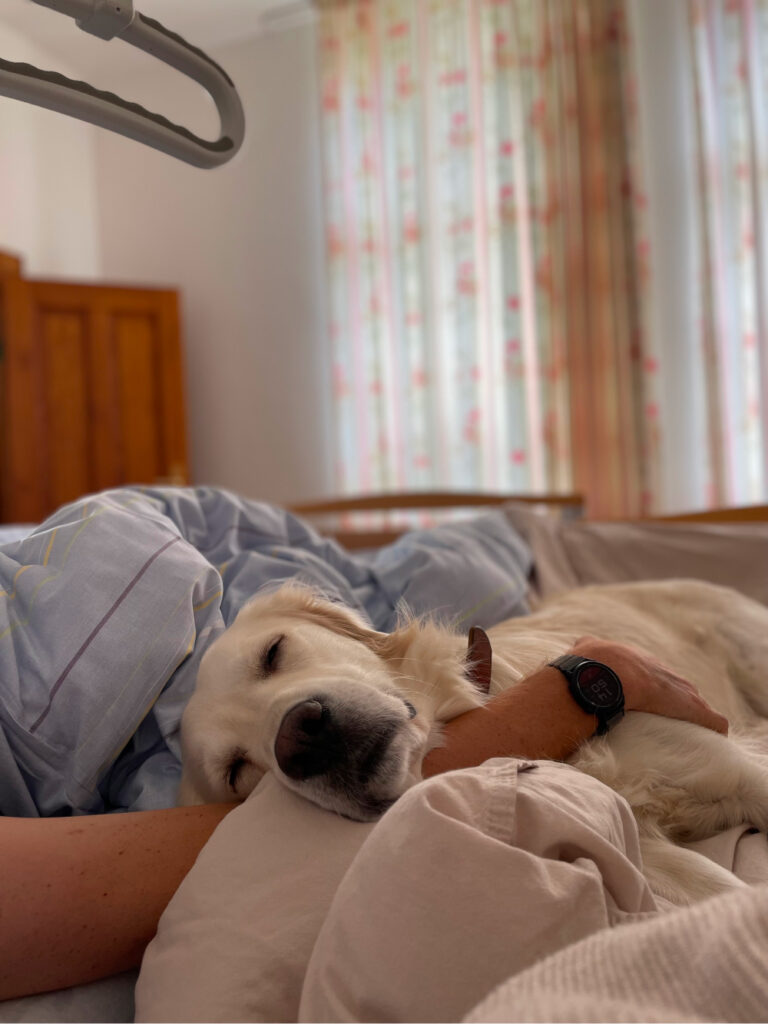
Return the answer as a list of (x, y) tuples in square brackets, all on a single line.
[(568, 554), (470, 879), (110, 999), (16, 531), (706, 963)]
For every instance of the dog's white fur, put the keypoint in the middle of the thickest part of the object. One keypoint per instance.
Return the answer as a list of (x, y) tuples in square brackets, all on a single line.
[(682, 781)]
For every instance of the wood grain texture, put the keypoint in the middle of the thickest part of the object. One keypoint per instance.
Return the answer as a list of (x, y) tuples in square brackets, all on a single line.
[(429, 500), (742, 514), (92, 392)]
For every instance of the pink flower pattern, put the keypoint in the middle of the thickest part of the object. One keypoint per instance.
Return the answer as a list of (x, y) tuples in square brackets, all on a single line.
[(732, 293), (476, 191)]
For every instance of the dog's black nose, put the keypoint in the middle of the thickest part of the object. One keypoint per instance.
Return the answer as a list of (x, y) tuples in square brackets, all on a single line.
[(304, 746)]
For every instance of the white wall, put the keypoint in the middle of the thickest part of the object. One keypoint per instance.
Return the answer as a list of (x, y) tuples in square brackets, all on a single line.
[(48, 201), (244, 243)]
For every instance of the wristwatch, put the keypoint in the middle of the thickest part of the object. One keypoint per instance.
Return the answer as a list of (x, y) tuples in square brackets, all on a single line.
[(595, 688)]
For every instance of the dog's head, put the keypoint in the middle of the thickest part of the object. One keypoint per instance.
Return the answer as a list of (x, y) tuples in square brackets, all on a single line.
[(302, 687)]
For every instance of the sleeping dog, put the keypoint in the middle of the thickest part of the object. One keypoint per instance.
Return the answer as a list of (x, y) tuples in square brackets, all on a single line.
[(344, 715)]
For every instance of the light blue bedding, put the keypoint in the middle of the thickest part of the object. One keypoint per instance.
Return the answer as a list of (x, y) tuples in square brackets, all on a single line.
[(108, 606), (15, 532)]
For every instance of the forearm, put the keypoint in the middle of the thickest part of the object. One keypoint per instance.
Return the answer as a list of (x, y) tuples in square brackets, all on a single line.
[(537, 718), (81, 897)]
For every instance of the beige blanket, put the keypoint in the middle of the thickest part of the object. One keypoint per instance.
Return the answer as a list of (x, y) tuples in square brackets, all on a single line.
[(470, 880), (568, 554), (706, 963)]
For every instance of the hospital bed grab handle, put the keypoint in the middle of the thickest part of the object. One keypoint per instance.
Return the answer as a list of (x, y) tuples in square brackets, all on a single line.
[(108, 19)]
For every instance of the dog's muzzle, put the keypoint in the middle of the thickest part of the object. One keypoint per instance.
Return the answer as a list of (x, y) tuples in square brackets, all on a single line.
[(348, 757), (313, 740)]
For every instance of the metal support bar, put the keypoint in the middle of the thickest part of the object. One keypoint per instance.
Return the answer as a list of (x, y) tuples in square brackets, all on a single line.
[(116, 19)]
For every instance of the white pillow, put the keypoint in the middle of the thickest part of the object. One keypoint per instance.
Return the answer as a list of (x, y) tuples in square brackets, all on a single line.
[(235, 940)]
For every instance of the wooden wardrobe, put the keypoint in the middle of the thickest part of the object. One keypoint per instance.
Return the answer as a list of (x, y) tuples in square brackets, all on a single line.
[(91, 393)]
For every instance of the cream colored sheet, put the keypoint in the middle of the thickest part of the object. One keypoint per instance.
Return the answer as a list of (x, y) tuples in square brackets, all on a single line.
[(704, 963), (572, 554), (472, 878)]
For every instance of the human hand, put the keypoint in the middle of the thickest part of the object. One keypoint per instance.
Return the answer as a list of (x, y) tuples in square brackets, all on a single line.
[(650, 686)]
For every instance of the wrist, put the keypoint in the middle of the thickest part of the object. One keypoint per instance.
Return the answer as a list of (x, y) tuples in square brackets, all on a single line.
[(536, 719), (593, 685), (557, 725), (620, 660)]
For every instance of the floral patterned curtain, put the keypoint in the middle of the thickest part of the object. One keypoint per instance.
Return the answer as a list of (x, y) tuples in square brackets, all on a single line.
[(486, 249), (729, 60)]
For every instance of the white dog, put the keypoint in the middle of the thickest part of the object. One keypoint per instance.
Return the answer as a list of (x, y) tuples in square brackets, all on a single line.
[(344, 715)]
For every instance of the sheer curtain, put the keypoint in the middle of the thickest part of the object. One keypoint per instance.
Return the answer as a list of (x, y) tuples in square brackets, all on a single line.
[(728, 53), (487, 253)]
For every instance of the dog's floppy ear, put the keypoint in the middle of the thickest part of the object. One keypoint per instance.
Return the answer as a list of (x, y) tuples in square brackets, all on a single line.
[(304, 602), (310, 605), (340, 620), (387, 646)]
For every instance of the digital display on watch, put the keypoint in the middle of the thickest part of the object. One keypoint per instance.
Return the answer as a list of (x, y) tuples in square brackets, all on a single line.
[(598, 685)]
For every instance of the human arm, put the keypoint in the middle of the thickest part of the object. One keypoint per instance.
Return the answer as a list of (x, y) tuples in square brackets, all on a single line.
[(538, 718), (81, 897)]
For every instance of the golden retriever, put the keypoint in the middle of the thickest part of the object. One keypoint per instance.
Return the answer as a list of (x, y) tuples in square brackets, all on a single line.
[(344, 715)]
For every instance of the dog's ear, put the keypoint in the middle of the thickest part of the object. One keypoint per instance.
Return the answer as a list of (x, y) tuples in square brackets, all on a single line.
[(388, 646), (392, 646), (299, 600), (342, 621), (303, 602), (479, 660)]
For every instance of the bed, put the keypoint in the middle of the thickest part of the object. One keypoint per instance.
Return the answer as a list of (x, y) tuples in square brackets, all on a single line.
[(422, 545)]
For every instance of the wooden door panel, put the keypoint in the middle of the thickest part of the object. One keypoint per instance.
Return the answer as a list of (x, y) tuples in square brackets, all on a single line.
[(63, 350), (23, 412), (93, 394), (106, 451), (139, 404)]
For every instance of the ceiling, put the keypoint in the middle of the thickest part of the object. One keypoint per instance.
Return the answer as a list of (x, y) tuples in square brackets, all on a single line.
[(205, 23)]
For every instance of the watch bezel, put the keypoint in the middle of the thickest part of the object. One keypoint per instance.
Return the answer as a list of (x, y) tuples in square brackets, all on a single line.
[(604, 708), (571, 666)]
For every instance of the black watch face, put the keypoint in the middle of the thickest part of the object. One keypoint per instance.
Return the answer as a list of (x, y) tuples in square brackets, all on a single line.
[(599, 686)]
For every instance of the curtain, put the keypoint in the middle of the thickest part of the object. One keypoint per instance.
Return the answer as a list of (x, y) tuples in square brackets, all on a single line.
[(729, 63), (487, 253)]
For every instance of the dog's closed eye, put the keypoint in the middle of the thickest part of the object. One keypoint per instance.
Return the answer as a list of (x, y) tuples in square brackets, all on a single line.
[(271, 655), (235, 765)]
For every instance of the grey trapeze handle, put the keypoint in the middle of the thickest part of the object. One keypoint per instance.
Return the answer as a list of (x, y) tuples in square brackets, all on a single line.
[(110, 18)]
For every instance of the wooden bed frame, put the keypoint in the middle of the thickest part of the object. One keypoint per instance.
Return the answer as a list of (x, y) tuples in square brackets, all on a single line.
[(373, 520), (369, 521), (738, 514)]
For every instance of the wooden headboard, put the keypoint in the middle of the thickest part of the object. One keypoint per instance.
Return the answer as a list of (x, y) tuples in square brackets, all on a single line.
[(91, 395), (736, 514), (370, 521)]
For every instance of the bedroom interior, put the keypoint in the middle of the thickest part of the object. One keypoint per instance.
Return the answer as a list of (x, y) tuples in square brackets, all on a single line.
[(484, 288)]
